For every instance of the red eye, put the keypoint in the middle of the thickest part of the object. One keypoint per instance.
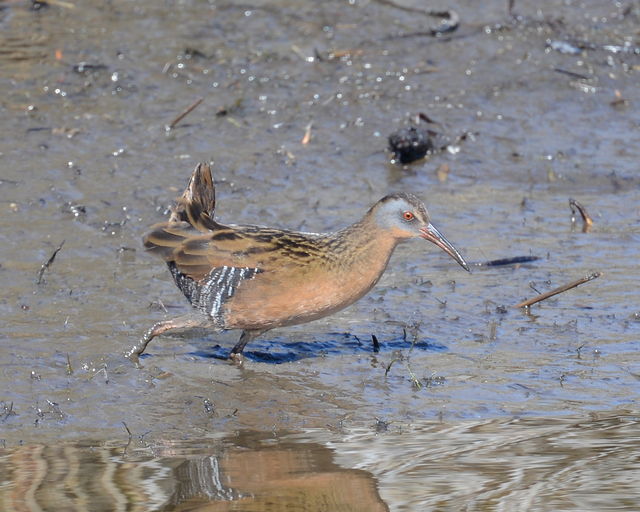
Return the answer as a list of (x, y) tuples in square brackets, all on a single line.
[(407, 215)]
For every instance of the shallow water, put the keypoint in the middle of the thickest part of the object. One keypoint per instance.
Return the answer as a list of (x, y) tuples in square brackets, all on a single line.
[(498, 464), (85, 159)]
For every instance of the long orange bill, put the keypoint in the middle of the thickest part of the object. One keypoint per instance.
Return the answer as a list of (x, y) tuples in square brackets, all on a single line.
[(433, 235)]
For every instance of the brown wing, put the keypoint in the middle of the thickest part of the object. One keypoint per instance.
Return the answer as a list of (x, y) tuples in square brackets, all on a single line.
[(195, 246), (209, 262), (180, 240), (195, 254)]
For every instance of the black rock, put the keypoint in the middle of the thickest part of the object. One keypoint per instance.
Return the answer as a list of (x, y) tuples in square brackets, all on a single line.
[(410, 144)]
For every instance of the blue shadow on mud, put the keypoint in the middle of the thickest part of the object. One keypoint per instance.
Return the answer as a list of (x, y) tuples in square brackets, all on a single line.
[(278, 351)]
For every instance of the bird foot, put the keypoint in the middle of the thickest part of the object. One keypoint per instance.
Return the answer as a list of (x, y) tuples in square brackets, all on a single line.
[(134, 358), (133, 354), (236, 359)]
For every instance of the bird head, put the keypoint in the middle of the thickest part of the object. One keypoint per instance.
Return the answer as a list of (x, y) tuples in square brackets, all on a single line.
[(404, 216)]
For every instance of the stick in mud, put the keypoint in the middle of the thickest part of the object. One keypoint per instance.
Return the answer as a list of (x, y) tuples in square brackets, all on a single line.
[(389, 366), (507, 261), (48, 263), (572, 74), (556, 291), (376, 343), (307, 134), (587, 221), (184, 114)]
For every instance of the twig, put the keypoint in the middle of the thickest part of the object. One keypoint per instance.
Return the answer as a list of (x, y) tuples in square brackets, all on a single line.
[(404, 8), (48, 263), (450, 19), (103, 370), (7, 411), (376, 343), (61, 3), (556, 291), (507, 261), (572, 74), (587, 221), (124, 452), (307, 134), (414, 380), (388, 368), (415, 337), (184, 114), (424, 117)]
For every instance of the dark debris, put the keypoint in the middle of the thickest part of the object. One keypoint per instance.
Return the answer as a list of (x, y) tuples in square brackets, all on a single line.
[(411, 144)]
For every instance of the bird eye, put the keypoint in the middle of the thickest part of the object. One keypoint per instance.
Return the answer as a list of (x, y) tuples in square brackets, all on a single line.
[(408, 216)]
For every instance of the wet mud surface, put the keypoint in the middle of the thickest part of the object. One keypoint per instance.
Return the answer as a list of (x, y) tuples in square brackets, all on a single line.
[(535, 108)]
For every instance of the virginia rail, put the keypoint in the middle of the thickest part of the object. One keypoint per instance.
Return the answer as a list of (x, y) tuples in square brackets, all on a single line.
[(256, 278)]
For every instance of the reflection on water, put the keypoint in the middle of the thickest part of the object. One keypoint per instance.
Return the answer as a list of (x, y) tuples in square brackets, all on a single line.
[(249, 472), (510, 465), (532, 464), (88, 90)]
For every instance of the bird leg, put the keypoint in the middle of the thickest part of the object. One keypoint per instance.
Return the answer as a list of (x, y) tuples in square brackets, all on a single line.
[(245, 337), (182, 322)]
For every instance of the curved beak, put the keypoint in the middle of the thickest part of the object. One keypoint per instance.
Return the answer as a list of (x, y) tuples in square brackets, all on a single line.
[(429, 232)]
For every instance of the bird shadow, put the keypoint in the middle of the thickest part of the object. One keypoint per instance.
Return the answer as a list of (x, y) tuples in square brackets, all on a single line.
[(280, 350)]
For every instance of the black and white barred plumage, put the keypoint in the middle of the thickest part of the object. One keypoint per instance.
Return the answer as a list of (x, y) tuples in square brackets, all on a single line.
[(210, 294)]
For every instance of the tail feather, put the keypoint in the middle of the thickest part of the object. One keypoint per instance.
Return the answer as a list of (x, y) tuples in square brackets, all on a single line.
[(192, 213), (197, 203)]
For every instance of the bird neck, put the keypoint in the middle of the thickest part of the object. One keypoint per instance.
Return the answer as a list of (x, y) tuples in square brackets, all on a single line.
[(363, 247)]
